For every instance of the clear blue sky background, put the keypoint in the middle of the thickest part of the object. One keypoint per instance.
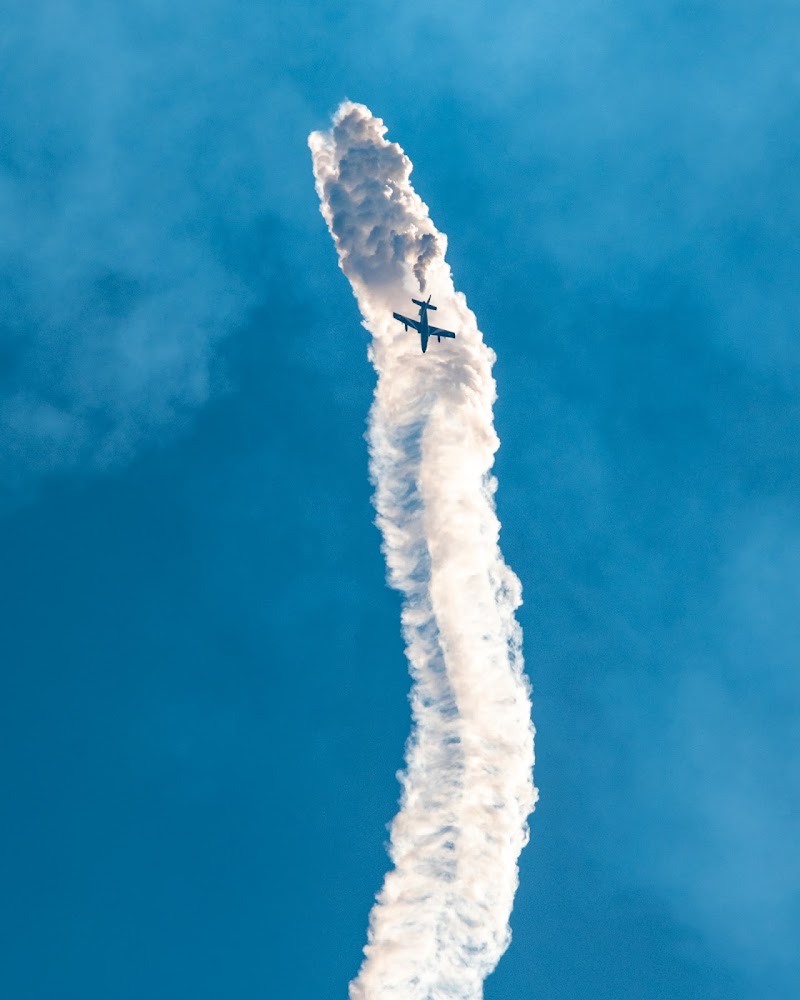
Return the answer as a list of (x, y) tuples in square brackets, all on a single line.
[(202, 686)]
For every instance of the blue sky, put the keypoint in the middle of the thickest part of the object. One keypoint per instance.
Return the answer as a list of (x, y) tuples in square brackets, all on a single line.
[(203, 691)]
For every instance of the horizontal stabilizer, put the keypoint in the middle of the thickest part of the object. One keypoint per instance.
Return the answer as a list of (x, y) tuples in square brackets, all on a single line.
[(426, 304)]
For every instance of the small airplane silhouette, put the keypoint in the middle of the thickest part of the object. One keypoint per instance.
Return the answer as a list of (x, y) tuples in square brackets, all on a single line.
[(422, 326)]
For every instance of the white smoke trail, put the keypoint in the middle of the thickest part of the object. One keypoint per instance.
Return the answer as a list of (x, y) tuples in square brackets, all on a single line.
[(440, 922)]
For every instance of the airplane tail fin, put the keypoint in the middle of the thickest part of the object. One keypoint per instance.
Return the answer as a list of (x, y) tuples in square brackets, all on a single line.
[(426, 304)]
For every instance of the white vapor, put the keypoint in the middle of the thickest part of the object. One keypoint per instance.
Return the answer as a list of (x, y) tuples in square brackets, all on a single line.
[(440, 922)]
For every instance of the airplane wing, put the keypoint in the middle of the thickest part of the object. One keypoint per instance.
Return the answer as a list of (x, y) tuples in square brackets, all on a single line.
[(406, 321), (436, 332)]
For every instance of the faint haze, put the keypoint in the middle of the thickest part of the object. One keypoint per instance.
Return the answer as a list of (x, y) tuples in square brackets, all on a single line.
[(133, 147)]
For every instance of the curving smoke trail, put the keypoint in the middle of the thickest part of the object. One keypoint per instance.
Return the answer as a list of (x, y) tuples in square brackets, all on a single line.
[(440, 922)]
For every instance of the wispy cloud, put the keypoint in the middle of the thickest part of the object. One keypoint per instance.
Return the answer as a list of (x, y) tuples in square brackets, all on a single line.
[(138, 175)]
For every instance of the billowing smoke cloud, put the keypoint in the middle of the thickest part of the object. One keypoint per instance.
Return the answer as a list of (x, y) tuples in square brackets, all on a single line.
[(440, 923)]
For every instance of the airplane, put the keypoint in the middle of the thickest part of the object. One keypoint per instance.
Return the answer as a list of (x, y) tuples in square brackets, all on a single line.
[(422, 325)]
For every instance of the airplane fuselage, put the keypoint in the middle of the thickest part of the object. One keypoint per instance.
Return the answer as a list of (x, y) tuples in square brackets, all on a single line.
[(424, 327)]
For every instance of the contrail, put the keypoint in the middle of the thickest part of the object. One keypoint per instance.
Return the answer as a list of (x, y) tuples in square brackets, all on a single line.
[(440, 922)]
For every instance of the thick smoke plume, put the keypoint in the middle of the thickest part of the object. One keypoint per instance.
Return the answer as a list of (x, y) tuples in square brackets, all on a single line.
[(440, 922)]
